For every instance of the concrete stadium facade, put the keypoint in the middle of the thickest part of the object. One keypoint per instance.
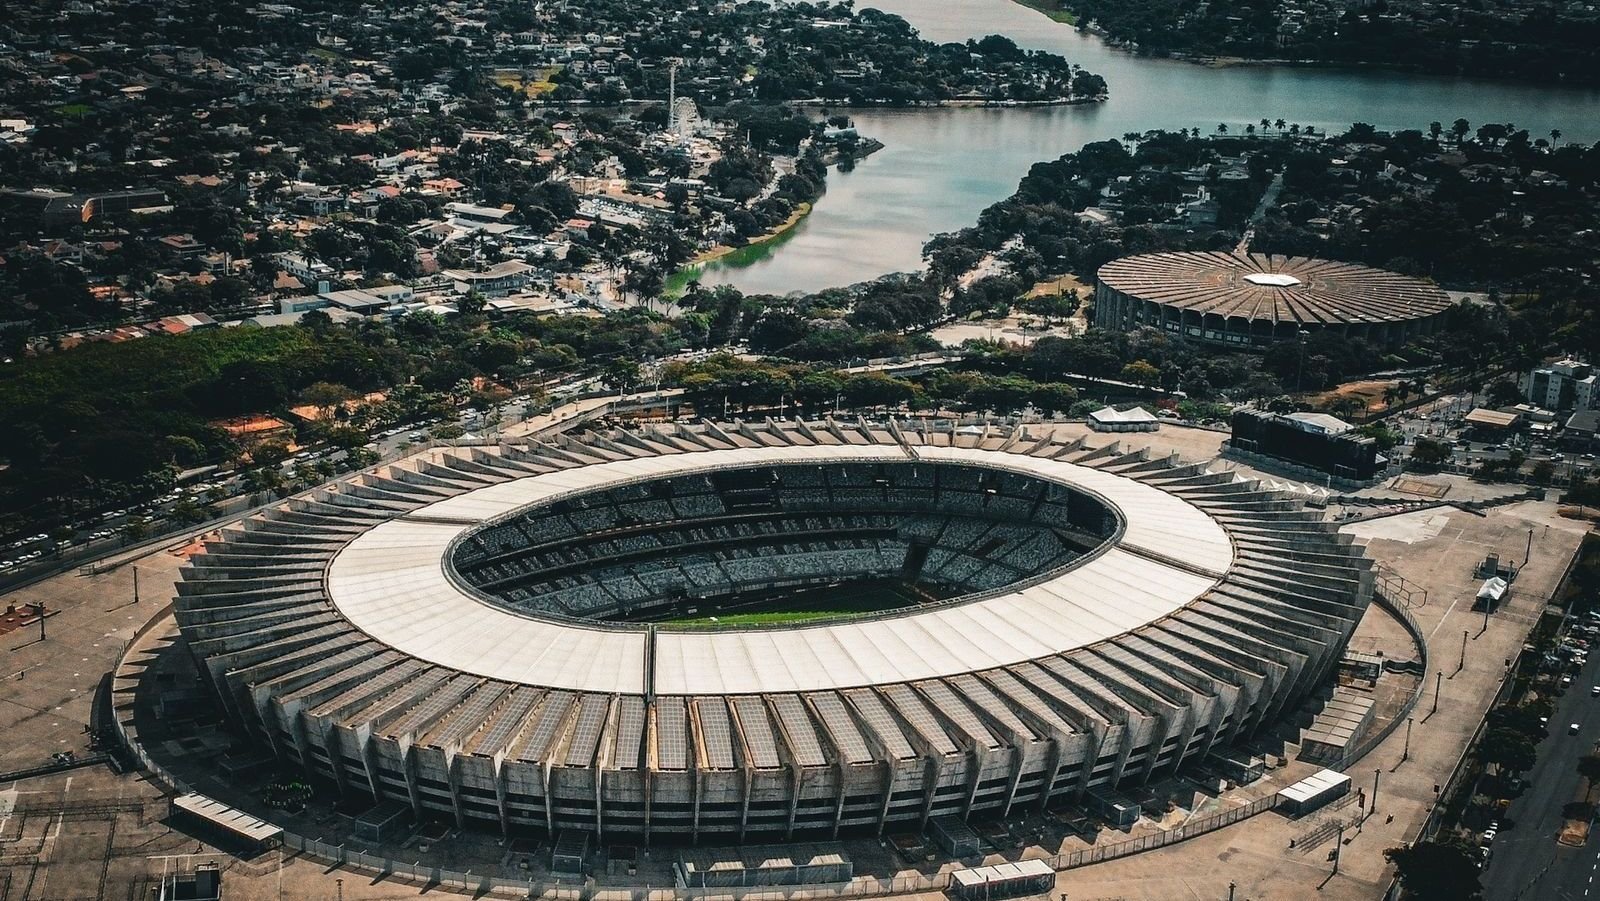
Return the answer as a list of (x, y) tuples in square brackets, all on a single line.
[(1253, 300), (441, 632)]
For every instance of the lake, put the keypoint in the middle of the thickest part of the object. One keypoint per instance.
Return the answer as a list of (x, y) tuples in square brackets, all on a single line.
[(940, 167)]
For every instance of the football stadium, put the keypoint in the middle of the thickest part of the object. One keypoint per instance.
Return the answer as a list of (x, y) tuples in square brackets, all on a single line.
[(719, 633), (1254, 299)]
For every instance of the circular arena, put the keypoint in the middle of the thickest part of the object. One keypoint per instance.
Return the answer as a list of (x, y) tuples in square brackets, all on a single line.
[(730, 632), (1244, 300)]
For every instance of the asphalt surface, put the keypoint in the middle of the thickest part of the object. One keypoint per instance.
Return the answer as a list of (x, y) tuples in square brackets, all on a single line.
[(1526, 861)]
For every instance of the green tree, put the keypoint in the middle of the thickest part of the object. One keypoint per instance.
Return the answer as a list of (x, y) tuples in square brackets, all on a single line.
[(269, 454), (1428, 453), (135, 531), (1053, 397), (327, 397), (1435, 871), (1508, 749), (620, 375), (1141, 372), (1589, 769), (1050, 307)]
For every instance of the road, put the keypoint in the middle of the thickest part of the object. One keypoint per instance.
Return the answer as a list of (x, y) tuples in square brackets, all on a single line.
[(1526, 861)]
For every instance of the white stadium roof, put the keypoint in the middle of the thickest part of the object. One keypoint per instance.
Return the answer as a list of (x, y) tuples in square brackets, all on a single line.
[(392, 584)]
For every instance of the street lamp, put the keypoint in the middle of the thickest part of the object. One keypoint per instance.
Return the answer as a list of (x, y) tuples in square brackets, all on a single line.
[(1300, 372)]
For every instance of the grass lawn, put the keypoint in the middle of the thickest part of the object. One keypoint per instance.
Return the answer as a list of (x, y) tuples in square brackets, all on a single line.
[(805, 606), (1051, 9), (540, 85)]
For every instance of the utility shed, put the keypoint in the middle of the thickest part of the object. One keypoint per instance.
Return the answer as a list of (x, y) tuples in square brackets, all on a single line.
[(784, 865), (1117, 809), (955, 837), (1006, 880), (1342, 723), (234, 823), (1313, 792)]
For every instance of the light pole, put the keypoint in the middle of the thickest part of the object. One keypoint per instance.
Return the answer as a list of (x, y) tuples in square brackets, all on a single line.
[(1300, 371), (1375, 774), (1406, 754), (1438, 683)]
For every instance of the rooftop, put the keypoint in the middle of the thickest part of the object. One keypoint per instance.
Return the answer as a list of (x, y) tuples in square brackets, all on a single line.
[(1277, 288)]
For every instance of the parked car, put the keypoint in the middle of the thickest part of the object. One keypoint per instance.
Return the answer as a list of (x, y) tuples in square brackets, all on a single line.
[(1573, 729)]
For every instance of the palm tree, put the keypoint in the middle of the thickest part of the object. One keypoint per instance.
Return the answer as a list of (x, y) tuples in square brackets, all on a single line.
[(1555, 135), (1294, 129), (1250, 130), (1435, 129), (1222, 128), (1265, 123), (1278, 124)]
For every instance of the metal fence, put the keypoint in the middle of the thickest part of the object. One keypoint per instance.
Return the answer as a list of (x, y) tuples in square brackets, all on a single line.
[(581, 890), (1415, 631)]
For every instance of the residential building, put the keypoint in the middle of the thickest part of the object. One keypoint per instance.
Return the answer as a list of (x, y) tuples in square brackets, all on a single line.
[(1565, 385)]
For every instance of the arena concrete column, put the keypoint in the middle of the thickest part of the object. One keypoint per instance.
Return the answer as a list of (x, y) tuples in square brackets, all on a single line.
[(695, 791), (747, 785), (1018, 759), (888, 793), (930, 785), (452, 774), (1053, 762), (796, 778), (296, 721), (497, 764), (977, 758), (408, 771), (369, 761), (839, 784), (600, 801)]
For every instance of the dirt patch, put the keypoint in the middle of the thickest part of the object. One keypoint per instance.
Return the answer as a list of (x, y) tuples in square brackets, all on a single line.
[(1420, 488), (1061, 285), (1368, 392)]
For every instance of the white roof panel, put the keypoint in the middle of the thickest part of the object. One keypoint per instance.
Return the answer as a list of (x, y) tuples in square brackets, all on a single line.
[(391, 583)]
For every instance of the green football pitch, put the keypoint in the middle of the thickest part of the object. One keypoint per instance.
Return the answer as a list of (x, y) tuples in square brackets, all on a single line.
[(790, 608)]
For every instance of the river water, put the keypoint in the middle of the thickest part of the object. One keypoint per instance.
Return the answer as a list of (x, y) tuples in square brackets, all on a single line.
[(940, 167)]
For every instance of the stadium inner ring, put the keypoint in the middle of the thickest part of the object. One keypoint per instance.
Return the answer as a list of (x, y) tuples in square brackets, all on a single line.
[(899, 505), (1180, 613)]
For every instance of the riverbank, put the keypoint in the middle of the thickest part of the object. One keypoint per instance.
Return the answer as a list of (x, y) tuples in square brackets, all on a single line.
[(678, 282), (953, 103), (721, 250), (1047, 7), (865, 148)]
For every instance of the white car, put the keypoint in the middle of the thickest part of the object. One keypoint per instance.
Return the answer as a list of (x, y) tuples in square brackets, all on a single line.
[(1573, 729)]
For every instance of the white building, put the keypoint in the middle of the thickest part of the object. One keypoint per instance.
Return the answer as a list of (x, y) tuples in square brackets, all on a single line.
[(1566, 385)]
